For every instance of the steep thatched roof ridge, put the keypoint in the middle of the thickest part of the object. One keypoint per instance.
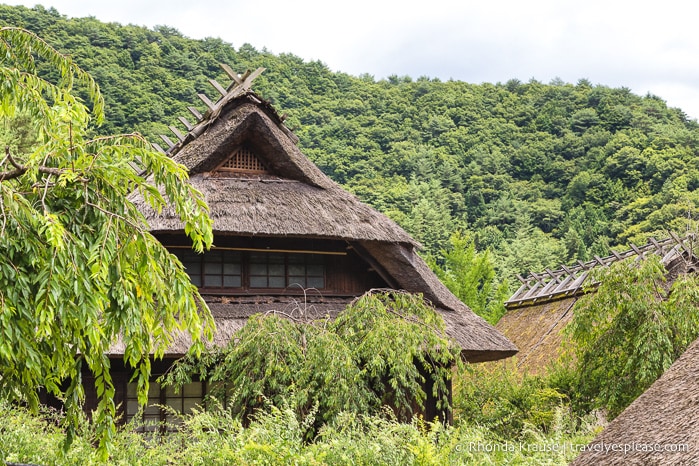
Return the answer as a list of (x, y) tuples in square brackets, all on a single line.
[(246, 120), (295, 199), (664, 418)]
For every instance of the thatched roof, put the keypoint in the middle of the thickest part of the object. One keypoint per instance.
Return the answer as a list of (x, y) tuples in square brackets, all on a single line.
[(292, 198), (536, 331), (543, 306), (230, 316), (296, 199), (664, 418)]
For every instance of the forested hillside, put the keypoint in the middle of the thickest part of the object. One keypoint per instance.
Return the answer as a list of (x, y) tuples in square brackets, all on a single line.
[(543, 174)]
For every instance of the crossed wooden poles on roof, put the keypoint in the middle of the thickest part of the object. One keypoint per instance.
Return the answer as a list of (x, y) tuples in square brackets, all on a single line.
[(568, 280)]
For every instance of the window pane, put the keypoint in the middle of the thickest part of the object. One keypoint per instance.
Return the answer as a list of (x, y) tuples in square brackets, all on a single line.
[(276, 282), (195, 279), (151, 411), (131, 390), (153, 390), (297, 269), (258, 282), (213, 281), (297, 281), (190, 403), (192, 389), (316, 282), (315, 270), (131, 407), (231, 269), (192, 268), (174, 403), (276, 270), (212, 267), (231, 281), (258, 269)]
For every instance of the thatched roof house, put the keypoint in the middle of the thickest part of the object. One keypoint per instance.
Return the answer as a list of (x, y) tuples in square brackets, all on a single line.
[(287, 238), (661, 427), (542, 306)]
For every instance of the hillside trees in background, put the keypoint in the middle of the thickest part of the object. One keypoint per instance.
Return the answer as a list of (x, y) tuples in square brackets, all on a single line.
[(582, 166), (75, 250)]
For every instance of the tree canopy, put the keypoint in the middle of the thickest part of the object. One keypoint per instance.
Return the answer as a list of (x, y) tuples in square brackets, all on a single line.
[(79, 271), (542, 174)]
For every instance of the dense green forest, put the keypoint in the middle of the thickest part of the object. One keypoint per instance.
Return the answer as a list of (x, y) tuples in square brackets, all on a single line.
[(541, 174)]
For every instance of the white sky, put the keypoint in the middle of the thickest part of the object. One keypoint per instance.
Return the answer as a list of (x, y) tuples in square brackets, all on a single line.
[(647, 46)]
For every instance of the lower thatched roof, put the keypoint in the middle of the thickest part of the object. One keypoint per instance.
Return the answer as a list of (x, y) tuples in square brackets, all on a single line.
[(661, 427), (536, 331), (230, 315)]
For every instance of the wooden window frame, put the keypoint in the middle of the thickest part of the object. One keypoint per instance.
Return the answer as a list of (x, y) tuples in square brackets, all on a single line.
[(163, 420), (287, 259)]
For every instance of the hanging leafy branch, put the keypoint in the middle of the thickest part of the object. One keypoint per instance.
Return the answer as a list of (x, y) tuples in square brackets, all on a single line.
[(378, 351), (79, 271), (630, 330)]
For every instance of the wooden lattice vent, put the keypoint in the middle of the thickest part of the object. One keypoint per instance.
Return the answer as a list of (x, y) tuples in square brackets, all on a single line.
[(242, 160)]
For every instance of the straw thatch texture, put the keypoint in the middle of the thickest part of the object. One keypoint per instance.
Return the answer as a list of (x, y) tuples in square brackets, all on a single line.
[(231, 315), (263, 206), (536, 331), (478, 339), (246, 121), (666, 415)]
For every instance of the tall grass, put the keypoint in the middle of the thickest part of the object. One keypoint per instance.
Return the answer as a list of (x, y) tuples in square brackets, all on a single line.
[(276, 437)]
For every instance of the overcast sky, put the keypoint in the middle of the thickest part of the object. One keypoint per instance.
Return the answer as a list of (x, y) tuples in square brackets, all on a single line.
[(643, 45)]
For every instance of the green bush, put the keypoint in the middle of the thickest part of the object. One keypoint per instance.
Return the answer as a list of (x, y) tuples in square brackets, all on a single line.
[(508, 403), (275, 436)]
